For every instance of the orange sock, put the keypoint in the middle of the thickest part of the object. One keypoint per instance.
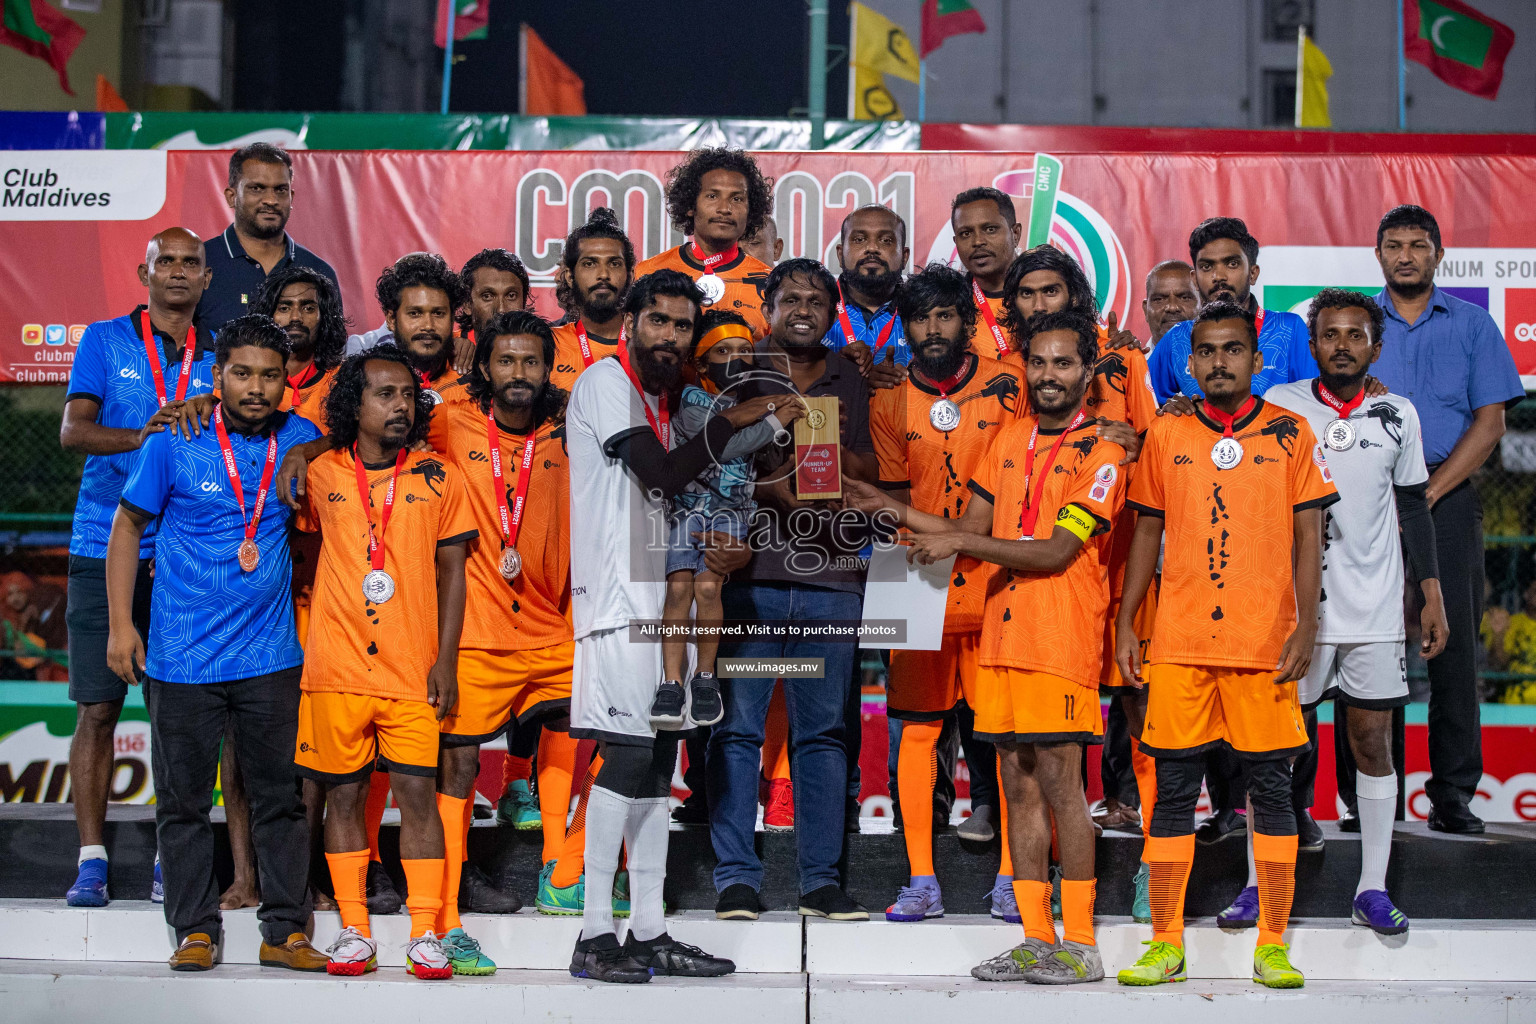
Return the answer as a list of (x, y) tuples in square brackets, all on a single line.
[(557, 762), (917, 771), (452, 810), (1077, 910), (424, 896), (1005, 862), (1274, 858), (573, 854), (1034, 899), (349, 877), (516, 769), (776, 737), (373, 811), (1169, 860), (1145, 767)]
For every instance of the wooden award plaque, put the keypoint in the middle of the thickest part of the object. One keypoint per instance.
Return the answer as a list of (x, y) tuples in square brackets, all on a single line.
[(818, 462)]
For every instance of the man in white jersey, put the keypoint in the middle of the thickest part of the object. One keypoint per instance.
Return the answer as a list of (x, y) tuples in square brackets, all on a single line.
[(1376, 458), (618, 431)]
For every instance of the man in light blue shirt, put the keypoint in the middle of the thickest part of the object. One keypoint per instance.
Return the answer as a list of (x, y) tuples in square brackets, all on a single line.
[(223, 648), (1448, 357), (1226, 260)]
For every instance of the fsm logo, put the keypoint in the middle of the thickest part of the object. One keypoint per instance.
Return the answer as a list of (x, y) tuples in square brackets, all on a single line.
[(1065, 221)]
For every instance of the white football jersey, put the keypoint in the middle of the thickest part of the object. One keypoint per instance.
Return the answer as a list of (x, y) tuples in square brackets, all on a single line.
[(1362, 550)]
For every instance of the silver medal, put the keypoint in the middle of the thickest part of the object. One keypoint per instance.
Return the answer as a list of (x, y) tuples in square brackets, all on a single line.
[(1339, 435), (1227, 453), (712, 287), (944, 415), (511, 563), (378, 586)]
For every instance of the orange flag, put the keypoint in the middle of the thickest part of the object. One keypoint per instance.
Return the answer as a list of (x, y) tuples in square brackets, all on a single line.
[(546, 86), (108, 99)]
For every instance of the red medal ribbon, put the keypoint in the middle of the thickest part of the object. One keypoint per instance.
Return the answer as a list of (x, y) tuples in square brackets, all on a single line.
[(511, 522), (376, 540), (1258, 321), (710, 262), (309, 374), (661, 422), (150, 350), (586, 349), (1338, 405), (943, 386), (234, 473), (847, 325), (985, 309), (1225, 420), (1031, 511)]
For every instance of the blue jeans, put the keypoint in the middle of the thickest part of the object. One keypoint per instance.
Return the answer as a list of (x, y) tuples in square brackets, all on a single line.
[(818, 750)]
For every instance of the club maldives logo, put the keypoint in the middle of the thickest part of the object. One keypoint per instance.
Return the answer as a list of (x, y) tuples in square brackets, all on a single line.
[(1065, 221)]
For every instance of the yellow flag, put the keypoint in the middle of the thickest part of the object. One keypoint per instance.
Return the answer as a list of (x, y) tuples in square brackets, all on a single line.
[(868, 98), (881, 45), (1312, 73)]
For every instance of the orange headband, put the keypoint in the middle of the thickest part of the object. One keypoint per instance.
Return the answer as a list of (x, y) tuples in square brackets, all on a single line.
[(718, 334)]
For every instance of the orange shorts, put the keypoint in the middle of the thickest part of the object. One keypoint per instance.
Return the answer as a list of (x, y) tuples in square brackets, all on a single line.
[(1015, 705), (1110, 680), (924, 685), (1190, 710), (498, 687), (342, 735)]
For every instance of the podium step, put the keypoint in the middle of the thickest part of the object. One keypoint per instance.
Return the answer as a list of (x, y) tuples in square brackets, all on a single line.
[(90, 993), (134, 931), (1323, 949)]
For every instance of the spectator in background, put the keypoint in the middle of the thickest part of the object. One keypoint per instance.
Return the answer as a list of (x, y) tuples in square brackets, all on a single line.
[(260, 194), (764, 244), (1511, 643), (130, 379), (1448, 357), (1171, 297)]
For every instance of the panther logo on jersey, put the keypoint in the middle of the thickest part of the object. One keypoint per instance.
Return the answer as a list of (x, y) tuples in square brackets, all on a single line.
[(1114, 371), (1005, 388), (1285, 431), (431, 471), (1391, 419)]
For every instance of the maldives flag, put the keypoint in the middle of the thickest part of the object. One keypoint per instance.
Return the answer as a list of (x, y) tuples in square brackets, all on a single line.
[(39, 31), (471, 20), (945, 18), (1463, 47)]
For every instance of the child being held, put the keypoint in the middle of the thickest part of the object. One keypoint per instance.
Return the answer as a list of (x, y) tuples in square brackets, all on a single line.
[(719, 501)]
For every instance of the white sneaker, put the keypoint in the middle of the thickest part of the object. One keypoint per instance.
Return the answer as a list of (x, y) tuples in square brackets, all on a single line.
[(352, 954), (424, 957)]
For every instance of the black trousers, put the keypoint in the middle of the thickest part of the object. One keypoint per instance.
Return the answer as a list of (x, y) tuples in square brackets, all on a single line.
[(1455, 721), (1115, 771), (187, 724)]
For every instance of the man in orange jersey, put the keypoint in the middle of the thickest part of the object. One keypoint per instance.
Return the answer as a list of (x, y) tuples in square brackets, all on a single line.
[(596, 266), (1042, 501), (493, 281), (1046, 280), (385, 625), (930, 434), (987, 231), (516, 650), (717, 197), (1233, 495)]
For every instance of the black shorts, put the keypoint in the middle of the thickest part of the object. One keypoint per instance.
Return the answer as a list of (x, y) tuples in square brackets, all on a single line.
[(90, 680)]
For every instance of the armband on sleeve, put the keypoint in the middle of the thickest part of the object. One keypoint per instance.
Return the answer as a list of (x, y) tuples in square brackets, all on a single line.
[(1078, 520)]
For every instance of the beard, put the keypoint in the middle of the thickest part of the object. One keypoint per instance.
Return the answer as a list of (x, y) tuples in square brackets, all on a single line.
[(1413, 290), (600, 307), (659, 376), (427, 365), (1069, 397), (944, 365), (881, 285), (1336, 382), (517, 395), (256, 230)]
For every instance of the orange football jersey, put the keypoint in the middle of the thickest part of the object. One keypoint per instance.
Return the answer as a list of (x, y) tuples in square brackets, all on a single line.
[(569, 361), (1050, 623), (1122, 388), (983, 343), (533, 609), (356, 646), (449, 387), (936, 465), (744, 278), (1227, 596)]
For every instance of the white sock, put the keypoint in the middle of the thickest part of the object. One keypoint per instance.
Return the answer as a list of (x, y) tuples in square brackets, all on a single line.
[(1377, 800), (91, 853), (606, 815), (646, 836)]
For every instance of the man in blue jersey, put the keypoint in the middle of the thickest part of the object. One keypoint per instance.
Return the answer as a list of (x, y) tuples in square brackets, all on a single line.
[(130, 378), (1226, 260), (873, 254), (223, 646)]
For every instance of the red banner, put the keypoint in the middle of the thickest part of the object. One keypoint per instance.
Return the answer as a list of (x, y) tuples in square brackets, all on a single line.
[(76, 222)]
